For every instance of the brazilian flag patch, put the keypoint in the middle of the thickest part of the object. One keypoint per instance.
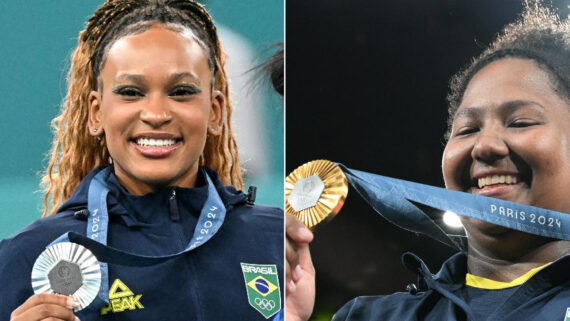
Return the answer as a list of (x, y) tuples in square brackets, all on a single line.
[(262, 285), (567, 316)]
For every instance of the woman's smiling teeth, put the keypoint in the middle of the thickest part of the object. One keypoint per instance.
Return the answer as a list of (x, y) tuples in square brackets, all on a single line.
[(153, 142), (496, 179)]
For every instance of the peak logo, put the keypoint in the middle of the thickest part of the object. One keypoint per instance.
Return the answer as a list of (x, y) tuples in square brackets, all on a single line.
[(121, 298)]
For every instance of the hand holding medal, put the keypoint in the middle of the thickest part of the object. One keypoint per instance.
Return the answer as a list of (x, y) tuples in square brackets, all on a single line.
[(314, 193), (58, 306), (66, 278), (317, 189), (68, 269), (172, 155)]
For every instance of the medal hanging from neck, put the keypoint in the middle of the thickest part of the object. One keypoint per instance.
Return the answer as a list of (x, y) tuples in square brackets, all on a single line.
[(77, 265), (394, 199)]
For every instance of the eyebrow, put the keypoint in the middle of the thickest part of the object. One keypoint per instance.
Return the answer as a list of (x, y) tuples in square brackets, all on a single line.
[(178, 76), (516, 104), (172, 78), (467, 112), (130, 77), (507, 107)]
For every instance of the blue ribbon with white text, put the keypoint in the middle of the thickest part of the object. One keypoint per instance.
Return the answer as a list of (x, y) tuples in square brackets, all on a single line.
[(394, 199)]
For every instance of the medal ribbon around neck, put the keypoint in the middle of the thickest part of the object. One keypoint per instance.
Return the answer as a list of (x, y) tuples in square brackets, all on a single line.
[(394, 200), (211, 219)]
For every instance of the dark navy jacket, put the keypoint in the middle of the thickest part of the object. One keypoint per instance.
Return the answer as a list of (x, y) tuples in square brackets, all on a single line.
[(206, 284), (546, 296)]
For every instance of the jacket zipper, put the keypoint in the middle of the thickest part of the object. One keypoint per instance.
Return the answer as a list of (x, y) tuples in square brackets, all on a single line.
[(174, 214)]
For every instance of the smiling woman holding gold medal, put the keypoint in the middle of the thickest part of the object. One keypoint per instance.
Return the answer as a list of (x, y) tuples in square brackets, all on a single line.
[(148, 221), (508, 139)]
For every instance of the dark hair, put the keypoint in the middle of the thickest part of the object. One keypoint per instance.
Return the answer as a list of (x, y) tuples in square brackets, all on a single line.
[(274, 68), (136, 16), (538, 35)]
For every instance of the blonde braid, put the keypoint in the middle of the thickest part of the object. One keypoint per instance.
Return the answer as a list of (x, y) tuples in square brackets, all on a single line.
[(221, 151)]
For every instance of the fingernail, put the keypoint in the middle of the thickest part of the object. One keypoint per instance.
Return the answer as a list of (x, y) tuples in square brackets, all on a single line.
[(71, 303), (305, 233), (76, 319), (292, 286), (297, 273)]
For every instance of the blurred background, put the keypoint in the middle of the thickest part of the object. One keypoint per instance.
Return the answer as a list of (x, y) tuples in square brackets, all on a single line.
[(366, 86), (36, 42)]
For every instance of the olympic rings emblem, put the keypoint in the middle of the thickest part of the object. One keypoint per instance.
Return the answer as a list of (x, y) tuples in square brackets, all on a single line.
[(265, 304)]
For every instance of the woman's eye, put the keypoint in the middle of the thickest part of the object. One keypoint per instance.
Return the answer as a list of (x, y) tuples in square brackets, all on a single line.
[(521, 123), (128, 92), (184, 91), (466, 131)]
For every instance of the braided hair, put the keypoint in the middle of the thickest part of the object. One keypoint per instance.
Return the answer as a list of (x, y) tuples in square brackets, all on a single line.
[(74, 152), (538, 35)]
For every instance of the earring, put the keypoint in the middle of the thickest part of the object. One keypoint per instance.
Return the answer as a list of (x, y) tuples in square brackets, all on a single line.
[(214, 128), (95, 129)]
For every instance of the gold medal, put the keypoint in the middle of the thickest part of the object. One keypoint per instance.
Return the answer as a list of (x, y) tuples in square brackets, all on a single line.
[(314, 191)]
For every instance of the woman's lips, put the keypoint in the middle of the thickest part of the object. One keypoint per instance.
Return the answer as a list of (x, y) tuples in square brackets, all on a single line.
[(496, 190), (156, 151)]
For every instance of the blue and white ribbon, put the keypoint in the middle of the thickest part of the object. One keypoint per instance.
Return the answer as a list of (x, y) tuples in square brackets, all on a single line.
[(393, 199), (211, 219)]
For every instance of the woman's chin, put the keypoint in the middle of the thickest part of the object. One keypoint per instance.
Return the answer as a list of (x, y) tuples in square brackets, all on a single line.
[(500, 242), (146, 179), (485, 228)]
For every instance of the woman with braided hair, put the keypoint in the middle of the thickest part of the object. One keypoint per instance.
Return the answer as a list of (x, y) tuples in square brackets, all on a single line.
[(508, 139), (146, 128)]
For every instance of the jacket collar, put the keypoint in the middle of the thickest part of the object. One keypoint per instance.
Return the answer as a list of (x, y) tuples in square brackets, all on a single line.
[(451, 276), (140, 211)]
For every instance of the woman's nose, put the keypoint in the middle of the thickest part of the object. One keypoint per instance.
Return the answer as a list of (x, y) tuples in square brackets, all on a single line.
[(489, 146), (157, 112)]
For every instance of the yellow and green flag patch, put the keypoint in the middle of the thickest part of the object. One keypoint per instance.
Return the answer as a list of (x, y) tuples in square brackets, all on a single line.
[(262, 285)]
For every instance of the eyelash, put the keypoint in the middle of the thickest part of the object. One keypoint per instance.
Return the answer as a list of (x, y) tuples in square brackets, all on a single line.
[(184, 90), (130, 92), (466, 131), (521, 123)]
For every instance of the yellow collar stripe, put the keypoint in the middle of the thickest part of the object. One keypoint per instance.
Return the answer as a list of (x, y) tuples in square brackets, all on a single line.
[(484, 283)]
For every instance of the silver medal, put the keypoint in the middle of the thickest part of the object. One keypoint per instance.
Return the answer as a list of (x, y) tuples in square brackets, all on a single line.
[(69, 269)]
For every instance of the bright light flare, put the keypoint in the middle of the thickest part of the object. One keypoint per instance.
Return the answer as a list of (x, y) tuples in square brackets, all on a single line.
[(452, 220)]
